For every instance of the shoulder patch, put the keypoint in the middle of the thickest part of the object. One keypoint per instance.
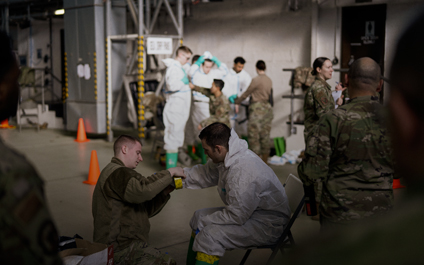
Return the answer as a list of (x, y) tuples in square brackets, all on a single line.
[(322, 98)]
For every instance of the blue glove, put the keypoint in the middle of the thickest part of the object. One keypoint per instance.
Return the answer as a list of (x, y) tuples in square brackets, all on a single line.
[(216, 61), (232, 98), (200, 60)]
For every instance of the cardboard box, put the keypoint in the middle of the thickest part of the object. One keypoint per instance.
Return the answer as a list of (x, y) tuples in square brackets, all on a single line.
[(92, 253)]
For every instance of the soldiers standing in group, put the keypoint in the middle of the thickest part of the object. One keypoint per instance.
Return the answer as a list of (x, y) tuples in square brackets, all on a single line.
[(349, 151)]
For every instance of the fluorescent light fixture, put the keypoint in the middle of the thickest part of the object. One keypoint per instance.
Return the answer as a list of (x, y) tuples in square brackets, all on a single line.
[(59, 12)]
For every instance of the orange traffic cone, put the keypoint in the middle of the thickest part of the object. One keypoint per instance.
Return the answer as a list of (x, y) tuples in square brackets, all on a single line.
[(94, 171), (397, 185), (81, 136), (5, 125)]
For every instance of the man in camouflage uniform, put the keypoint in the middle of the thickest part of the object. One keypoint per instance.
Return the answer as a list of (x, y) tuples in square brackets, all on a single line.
[(219, 106), (123, 202), (27, 232), (349, 151)]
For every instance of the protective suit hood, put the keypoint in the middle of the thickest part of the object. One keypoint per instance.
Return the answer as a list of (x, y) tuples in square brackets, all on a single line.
[(236, 145)]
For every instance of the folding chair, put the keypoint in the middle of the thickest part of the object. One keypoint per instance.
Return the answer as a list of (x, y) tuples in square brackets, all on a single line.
[(295, 194)]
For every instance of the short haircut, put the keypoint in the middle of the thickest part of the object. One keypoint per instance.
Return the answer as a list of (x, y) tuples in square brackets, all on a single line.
[(7, 58), (318, 63), (219, 83), (406, 73), (183, 49), (364, 73), (195, 57), (122, 140), (261, 65), (239, 60), (216, 134), (208, 60)]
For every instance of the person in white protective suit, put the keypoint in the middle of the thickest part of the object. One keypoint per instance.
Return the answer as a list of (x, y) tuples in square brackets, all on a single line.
[(256, 210), (236, 83), (177, 107), (202, 75)]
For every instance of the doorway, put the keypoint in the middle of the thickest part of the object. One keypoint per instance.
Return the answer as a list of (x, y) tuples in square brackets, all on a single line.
[(363, 35)]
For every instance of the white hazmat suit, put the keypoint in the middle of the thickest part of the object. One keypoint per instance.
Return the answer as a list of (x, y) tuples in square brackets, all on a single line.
[(257, 207), (177, 107), (200, 107), (237, 84)]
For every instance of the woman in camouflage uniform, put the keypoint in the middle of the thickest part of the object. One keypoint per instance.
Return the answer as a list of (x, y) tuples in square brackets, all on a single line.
[(318, 98), (318, 101)]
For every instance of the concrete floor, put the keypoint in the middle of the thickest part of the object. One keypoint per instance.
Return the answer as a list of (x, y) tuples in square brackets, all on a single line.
[(64, 165)]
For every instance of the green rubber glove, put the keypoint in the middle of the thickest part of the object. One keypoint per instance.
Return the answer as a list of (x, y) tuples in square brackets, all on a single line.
[(200, 60), (185, 80), (216, 61), (232, 98)]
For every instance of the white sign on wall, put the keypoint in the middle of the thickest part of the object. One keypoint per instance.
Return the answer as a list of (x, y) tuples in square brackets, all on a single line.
[(159, 45)]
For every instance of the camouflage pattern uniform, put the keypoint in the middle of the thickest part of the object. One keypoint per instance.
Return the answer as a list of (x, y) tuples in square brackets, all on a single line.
[(28, 234), (219, 108), (318, 101), (260, 113), (123, 202), (259, 127), (350, 152)]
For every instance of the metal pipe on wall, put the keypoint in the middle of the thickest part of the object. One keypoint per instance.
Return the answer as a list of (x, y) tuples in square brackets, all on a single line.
[(109, 131), (51, 60)]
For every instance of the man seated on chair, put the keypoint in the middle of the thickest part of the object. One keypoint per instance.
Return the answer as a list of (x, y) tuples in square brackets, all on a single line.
[(256, 208), (123, 202), (350, 152)]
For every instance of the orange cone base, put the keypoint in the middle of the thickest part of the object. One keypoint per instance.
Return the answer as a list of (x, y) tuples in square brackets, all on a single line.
[(89, 182), (81, 136), (82, 141), (397, 185), (5, 125), (94, 171)]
